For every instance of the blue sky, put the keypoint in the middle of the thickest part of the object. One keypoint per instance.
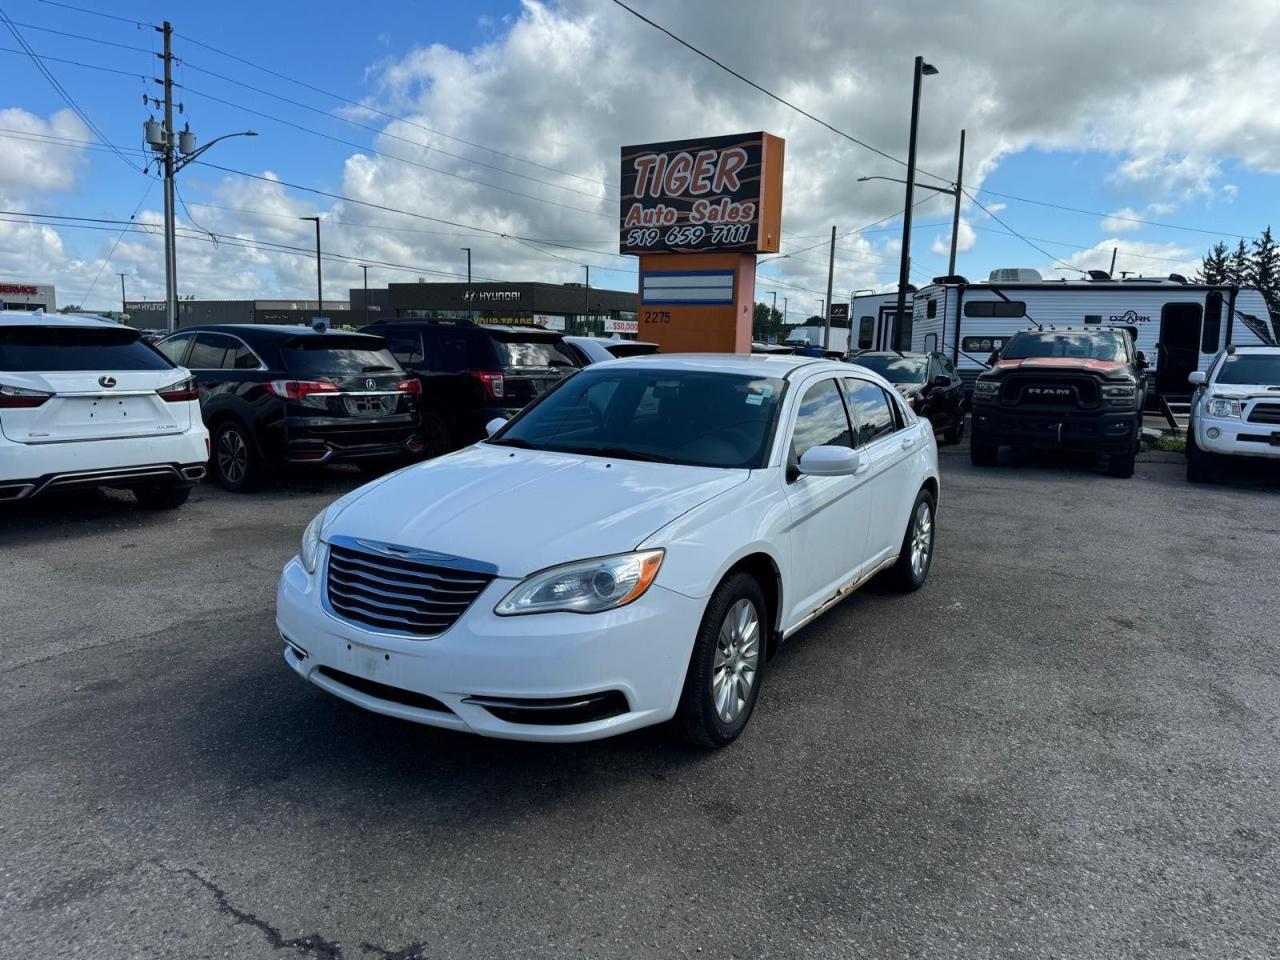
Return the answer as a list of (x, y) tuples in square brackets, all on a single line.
[(473, 70)]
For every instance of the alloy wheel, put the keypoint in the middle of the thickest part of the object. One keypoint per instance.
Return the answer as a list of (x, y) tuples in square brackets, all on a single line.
[(233, 456), (737, 660), (921, 539)]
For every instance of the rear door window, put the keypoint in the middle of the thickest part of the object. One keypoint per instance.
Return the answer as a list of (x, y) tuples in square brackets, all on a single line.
[(212, 351), (175, 347), (326, 354), (450, 348), (405, 345), (532, 353), (28, 349)]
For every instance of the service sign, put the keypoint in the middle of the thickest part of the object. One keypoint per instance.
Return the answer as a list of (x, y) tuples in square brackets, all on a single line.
[(700, 196)]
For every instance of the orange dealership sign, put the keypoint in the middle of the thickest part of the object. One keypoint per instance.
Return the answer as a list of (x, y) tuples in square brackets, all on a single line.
[(702, 196)]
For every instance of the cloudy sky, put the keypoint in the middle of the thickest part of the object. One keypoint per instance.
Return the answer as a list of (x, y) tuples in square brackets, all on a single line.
[(507, 116)]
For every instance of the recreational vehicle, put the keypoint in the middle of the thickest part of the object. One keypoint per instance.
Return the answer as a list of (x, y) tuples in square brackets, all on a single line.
[(873, 323), (1180, 326)]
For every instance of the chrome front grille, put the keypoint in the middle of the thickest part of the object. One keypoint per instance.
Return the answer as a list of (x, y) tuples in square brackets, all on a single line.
[(1265, 413), (400, 590)]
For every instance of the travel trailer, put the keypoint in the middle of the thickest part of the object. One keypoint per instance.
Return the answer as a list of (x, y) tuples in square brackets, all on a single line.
[(873, 321), (1177, 324)]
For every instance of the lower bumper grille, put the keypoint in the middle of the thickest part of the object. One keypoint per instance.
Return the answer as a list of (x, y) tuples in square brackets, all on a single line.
[(381, 691), (557, 711)]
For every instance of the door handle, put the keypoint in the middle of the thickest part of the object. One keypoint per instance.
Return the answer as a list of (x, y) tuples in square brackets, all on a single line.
[(863, 466), (908, 442)]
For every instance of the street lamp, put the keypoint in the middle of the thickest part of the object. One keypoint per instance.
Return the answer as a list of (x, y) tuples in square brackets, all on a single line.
[(319, 283), (921, 70)]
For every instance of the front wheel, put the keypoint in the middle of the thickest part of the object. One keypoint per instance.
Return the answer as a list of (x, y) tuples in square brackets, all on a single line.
[(1199, 466), (916, 556), (954, 433), (723, 680), (1121, 464)]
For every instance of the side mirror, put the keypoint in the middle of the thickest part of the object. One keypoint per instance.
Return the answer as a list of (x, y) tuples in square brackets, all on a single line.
[(1197, 378), (1140, 361), (830, 461), (494, 425), (941, 380), (994, 358)]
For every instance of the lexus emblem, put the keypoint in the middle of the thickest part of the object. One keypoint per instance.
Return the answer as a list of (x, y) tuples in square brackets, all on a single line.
[(106, 381), (370, 384)]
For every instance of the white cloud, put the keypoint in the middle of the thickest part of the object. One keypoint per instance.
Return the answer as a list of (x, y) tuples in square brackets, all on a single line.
[(966, 237), (1121, 221), (565, 85), (28, 165), (1132, 256)]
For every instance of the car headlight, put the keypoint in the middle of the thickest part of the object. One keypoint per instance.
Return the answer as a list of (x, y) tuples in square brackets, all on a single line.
[(1222, 407), (1119, 391), (310, 551), (586, 586), (986, 388)]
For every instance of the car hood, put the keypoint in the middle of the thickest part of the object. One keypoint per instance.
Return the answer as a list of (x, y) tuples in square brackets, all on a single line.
[(524, 510), (1108, 368), (1246, 390)]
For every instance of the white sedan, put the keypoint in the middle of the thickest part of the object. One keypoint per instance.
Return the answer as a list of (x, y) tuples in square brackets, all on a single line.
[(628, 550)]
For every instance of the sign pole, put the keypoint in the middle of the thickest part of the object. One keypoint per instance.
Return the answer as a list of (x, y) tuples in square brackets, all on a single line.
[(831, 269)]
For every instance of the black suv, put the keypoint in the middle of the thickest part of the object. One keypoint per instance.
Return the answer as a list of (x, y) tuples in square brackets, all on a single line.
[(472, 373), (274, 395), (929, 383), (1062, 388)]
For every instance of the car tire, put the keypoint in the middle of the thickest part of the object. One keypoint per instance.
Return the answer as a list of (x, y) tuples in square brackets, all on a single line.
[(729, 649), (954, 433), (1199, 464), (982, 454), (236, 464), (916, 555), (162, 496), (1121, 464), (437, 438)]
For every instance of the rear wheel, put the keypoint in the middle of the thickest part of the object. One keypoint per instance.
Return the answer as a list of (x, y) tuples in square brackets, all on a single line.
[(1199, 463), (237, 465), (437, 439), (916, 556), (723, 680), (1121, 464), (162, 496)]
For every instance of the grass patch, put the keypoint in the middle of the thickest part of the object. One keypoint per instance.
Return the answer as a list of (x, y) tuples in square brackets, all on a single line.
[(1170, 444)]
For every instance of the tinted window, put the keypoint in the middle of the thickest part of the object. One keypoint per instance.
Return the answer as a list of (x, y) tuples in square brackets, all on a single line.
[(449, 348), (682, 416), (313, 356), (931, 310), (405, 345), (1102, 345), (982, 344), (51, 349), (627, 348), (871, 410), (895, 369), (175, 347), (822, 419), (1212, 322), (244, 359), (995, 308), (532, 353), (210, 352), (1256, 368), (866, 331)]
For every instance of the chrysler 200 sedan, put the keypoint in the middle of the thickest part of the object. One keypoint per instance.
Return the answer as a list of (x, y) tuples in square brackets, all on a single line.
[(630, 549)]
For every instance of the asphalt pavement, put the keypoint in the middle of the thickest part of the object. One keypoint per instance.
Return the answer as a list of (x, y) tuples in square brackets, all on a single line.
[(1066, 745)]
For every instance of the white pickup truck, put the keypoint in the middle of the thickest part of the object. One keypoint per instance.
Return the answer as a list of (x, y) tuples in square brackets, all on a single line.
[(1235, 411)]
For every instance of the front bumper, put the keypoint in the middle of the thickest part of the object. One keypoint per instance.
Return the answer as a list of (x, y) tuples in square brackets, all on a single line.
[(1099, 431), (1237, 438), (625, 667)]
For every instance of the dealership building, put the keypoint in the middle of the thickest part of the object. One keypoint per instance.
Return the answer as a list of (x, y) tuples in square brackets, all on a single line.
[(20, 295)]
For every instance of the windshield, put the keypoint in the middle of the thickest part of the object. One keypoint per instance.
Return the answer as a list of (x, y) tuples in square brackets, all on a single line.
[(1081, 345), (532, 353), (896, 369), (673, 416), (25, 349), (1250, 368), (312, 356)]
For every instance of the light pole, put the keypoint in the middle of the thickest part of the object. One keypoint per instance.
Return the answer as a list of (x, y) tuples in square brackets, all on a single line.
[(956, 190), (586, 299), (470, 312), (775, 311), (365, 267), (123, 308), (784, 313), (319, 280), (921, 70)]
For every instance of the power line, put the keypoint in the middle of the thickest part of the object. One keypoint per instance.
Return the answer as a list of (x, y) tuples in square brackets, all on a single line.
[(384, 133), (1024, 239), (96, 13), (389, 156), (390, 116), (78, 63), (141, 200), (769, 93), (81, 36)]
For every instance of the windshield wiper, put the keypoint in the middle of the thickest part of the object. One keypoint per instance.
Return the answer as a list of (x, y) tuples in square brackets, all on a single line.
[(377, 369), (622, 453)]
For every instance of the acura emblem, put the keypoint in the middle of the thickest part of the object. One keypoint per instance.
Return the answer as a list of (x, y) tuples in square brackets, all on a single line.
[(106, 381), (370, 384)]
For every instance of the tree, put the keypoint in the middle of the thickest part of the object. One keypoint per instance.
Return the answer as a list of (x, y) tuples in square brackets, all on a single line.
[(1239, 267), (766, 322), (1215, 265), (1265, 274)]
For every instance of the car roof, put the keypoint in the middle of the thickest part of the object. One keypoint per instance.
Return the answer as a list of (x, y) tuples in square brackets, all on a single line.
[(26, 318), (269, 330), (1257, 348), (888, 353), (607, 341), (748, 364)]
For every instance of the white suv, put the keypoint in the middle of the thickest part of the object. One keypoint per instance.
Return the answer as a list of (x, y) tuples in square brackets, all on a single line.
[(1235, 410), (86, 402)]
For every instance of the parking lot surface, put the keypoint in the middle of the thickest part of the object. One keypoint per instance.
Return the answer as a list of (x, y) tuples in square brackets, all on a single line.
[(1066, 745)]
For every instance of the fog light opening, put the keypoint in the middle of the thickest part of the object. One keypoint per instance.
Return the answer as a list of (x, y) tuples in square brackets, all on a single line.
[(1213, 433)]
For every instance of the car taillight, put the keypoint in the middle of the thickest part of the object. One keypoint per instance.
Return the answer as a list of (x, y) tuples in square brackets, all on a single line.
[(297, 389), (412, 385), (19, 397), (493, 383), (177, 392)]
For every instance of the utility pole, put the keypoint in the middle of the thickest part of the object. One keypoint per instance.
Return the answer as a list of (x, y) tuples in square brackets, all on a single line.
[(784, 313), (775, 308), (319, 281), (920, 71), (365, 268), (586, 299), (955, 219), (123, 308), (831, 269), (170, 239), (471, 314)]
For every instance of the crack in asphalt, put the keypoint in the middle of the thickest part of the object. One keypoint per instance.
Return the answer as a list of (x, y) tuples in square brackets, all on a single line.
[(313, 944)]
